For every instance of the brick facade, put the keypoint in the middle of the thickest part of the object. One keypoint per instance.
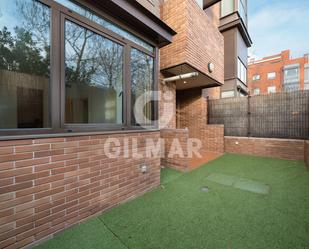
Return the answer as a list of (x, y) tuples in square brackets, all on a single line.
[(266, 147), (48, 185), (192, 114), (175, 162), (198, 41), (274, 64)]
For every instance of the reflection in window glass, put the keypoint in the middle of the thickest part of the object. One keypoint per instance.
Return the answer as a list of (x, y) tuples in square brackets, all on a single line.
[(291, 79), (142, 81), (241, 72), (227, 7), (242, 10), (228, 94), (24, 64), (106, 24), (94, 77)]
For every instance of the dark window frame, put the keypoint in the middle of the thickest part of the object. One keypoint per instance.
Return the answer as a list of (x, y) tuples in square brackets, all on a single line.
[(57, 77)]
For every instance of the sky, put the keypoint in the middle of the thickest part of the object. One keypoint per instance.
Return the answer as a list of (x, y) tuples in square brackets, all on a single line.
[(277, 25)]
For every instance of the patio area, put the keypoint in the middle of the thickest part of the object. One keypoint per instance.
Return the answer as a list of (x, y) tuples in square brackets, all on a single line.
[(232, 202)]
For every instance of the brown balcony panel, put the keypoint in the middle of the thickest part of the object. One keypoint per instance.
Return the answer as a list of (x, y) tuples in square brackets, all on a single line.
[(197, 43)]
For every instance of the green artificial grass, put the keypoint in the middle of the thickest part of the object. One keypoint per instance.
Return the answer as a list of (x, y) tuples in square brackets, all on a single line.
[(181, 216)]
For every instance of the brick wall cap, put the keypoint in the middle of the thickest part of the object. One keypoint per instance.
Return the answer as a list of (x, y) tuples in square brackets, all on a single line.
[(74, 134), (264, 138)]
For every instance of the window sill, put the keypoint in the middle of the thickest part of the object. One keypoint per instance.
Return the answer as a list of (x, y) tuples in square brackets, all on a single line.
[(75, 134)]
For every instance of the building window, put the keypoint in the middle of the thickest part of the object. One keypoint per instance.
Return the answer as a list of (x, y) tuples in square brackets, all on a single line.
[(242, 10), (271, 75), (291, 78), (142, 67), (227, 7), (24, 65), (91, 79), (271, 89), (241, 72), (306, 87), (256, 77), (228, 94), (256, 91), (94, 77), (104, 23)]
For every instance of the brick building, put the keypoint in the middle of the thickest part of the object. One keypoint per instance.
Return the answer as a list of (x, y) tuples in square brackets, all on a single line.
[(69, 78), (278, 73)]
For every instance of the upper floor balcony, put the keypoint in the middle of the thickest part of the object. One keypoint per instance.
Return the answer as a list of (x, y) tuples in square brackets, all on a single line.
[(198, 46)]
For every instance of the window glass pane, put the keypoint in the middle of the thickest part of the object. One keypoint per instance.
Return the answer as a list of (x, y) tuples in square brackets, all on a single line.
[(241, 72), (291, 79), (105, 23), (242, 5), (94, 77), (24, 64), (256, 91), (227, 94), (142, 82), (271, 89), (227, 7), (271, 75), (256, 77)]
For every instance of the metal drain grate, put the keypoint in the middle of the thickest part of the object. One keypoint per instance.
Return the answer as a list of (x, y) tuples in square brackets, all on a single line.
[(205, 189)]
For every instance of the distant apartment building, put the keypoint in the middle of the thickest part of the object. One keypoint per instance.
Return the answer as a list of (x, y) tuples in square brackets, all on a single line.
[(278, 73)]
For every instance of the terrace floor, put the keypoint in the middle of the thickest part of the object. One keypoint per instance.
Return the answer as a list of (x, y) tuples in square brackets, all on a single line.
[(251, 203)]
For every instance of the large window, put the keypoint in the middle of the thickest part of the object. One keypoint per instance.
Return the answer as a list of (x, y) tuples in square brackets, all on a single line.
[(94, 77), (291, 78), (105, 23), (64, 68), (24, 64), (241, 72)]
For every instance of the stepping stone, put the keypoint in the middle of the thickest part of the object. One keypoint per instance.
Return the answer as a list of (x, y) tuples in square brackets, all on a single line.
[(240, 183), (222, 179)]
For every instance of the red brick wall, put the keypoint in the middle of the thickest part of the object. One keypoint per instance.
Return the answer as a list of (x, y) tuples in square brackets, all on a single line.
[(266, 147), (198, 40), (276, 65), (213, 138), (176, 162), (307, 153), (47, 185), (192, 114)]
